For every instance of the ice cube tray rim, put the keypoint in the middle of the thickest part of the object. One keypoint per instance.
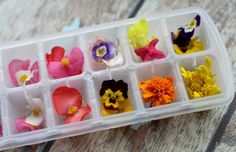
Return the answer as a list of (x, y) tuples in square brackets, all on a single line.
[(144, 113)]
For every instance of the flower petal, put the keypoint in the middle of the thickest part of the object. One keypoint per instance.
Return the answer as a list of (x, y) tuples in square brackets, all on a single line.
[(27, 76), (158, 90), (1, 130), (142, 53), (64, 98), (116, 61), (15, 66), (56, 55), (34, 120), (57, 70), (137, 34), (76, 60), (150, 53), (35, 102), (79, 116), (111, 50), (21, 126), (200, 82), (35, 70)]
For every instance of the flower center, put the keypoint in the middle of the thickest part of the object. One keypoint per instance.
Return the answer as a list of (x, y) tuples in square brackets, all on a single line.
[(72, 110), (65, 61), (193, 23), (36, 112), (23, 78), (101, 51)]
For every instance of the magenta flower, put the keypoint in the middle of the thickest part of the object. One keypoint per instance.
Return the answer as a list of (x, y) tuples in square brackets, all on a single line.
[(21, 73), (60, 66), (149, 53)]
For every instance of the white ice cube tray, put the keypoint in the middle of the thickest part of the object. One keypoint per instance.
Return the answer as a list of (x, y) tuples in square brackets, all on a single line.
[(89, 82)]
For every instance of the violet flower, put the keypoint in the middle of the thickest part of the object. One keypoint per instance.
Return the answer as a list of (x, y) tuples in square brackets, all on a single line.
[(185, 33), (103, 50)]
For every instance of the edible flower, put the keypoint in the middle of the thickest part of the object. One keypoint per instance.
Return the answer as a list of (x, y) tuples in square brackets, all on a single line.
[(21, 73), (143, 47), (200, 82), (183, 42), (60, 66), (114, 97), (22, 126), (36, 108), (149, 53), (34, 118), (104, 51), (158, 90), (67, 102), (138, 34)]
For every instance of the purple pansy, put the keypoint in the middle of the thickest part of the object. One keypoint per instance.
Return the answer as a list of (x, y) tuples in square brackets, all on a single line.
[(103, 50), (186, 32)]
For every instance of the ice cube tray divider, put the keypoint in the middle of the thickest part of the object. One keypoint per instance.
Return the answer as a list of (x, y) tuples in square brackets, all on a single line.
[(89, 82)]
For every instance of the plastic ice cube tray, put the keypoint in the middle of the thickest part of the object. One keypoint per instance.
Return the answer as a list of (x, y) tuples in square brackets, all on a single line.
[(89, 83)]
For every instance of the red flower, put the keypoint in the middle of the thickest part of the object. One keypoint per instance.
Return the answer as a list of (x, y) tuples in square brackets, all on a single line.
[(67, 102)]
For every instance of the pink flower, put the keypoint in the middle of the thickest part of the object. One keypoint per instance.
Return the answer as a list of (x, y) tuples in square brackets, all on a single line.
[(149, 53), (60, 66), (1, 130), (21, 72), (22, 126)]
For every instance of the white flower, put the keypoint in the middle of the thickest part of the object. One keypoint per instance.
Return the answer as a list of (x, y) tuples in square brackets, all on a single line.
[(23, 76), (114, 62), (35, 106)]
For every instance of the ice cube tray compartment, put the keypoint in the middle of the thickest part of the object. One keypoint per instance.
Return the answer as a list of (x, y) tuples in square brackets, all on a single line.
[(155, 28), (116, 74), (25, 52), (152, 69), (79, 84), (12, 101), (202, 31), (113, 35), (68, 43), (192, 62), (16, 106)]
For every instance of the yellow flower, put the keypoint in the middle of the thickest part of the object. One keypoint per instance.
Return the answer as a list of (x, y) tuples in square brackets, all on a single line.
[(201, 81), (194, 46), (114, 102), (137, 34), (114, 97)]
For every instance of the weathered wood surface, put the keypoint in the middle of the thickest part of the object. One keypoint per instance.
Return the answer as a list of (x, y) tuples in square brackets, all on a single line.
[(190, 132)]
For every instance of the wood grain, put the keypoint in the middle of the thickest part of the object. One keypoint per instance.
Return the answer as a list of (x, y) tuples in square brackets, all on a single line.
[(190, 132)]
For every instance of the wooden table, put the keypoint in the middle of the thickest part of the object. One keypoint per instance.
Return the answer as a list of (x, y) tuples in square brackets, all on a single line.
[(22, 19)]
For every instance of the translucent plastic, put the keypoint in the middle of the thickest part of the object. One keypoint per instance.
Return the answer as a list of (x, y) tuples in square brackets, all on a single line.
[(12, 101)]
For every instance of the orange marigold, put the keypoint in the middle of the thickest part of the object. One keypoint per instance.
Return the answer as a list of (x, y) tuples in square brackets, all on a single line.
[(158, 90)]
